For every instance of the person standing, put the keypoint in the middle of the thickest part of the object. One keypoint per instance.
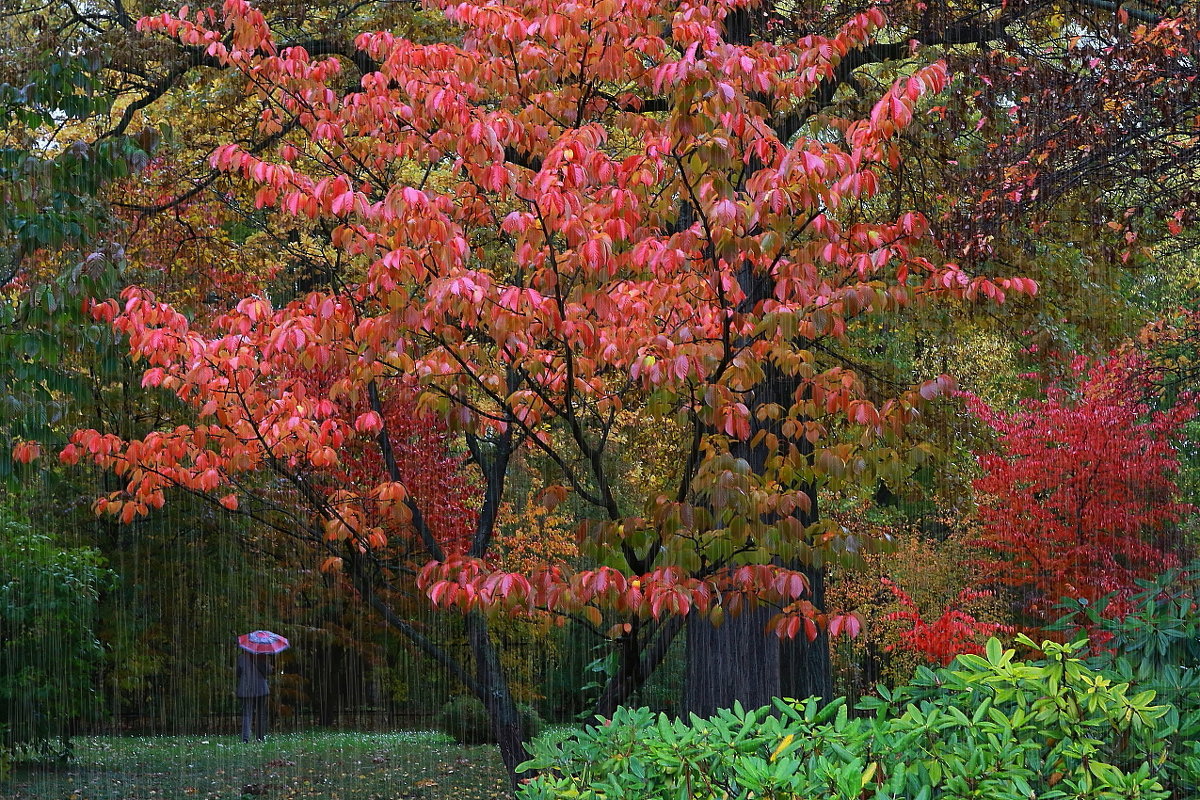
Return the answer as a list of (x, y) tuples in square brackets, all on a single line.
[(253, 690), (253, 667)]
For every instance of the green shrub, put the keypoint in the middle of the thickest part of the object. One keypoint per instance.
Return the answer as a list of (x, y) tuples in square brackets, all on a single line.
[(466, 720), (988, 727), (1156, 646), (48, 648)]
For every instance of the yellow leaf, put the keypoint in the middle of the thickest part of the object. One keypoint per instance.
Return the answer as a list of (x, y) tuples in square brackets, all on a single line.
[(593, 615), (783, 745)]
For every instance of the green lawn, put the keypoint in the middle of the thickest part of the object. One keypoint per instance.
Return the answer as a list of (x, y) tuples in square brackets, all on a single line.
[(295, 766)]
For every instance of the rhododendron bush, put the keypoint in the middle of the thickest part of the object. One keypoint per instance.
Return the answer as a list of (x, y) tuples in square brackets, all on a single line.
[(583, 214)]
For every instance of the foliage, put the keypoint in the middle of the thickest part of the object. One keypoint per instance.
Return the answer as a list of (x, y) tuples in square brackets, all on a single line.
[(189, 580), (1081, 488), (465, 720), (576, 165), (1075, 111), (1155, 645), (535, 236), (907, 598), (167, 631), (954, 632), (548, 243), (1035, 161), (198, 251), (535, 531), (51, 198), (987, 726), (51, 219), (422, 457), (49, 597), (571, 683)]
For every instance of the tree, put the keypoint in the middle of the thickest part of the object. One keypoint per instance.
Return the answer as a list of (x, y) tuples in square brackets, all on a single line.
[(1074, 134), (50, 223), (616, 206), (1077, 500)]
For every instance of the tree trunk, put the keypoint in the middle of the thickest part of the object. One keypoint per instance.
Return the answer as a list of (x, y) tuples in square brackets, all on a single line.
[(745, 661), (732, 662), (487, 683), (737, 661), (641, 654), (493, 690), (741, 660), (805, 667), (323, 684)]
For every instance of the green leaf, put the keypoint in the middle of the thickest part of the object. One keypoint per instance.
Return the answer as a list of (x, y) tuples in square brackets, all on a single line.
[(995, 651)]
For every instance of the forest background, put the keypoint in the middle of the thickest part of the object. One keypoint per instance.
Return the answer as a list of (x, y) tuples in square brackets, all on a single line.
[(479, 359)]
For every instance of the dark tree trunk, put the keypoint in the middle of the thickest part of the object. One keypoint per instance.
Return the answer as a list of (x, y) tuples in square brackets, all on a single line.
[(323, 682), (741, 660), (805, 668), (737, 661), (493, 690), (640, 655), (869, 674), (487, 682)]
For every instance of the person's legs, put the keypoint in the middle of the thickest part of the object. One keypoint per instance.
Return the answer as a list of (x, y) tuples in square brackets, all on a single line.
[(261, 717), (247, 710)]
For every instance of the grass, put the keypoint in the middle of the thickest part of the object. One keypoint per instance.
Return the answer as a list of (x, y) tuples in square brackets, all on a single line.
[(290, 766)]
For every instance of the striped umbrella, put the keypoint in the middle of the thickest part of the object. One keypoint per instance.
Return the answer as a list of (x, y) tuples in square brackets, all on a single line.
[(263, 642)]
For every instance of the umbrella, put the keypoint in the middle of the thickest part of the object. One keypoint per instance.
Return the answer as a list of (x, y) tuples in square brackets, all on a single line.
[(263, 642)]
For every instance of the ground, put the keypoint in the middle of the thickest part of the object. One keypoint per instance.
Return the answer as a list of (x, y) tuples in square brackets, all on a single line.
[(293, 766)]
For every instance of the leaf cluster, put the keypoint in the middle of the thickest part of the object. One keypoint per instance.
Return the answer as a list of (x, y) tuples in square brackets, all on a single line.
[(50, 190), (1156, 645), (986, 726)]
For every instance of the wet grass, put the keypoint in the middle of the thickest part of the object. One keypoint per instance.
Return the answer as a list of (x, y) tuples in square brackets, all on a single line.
[(291, 766)]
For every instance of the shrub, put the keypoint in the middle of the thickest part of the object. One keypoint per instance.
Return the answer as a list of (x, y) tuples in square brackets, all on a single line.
[(1082, 487), (48, 648), (466, 720), (915, 602), (1156, 646), (987, 726)]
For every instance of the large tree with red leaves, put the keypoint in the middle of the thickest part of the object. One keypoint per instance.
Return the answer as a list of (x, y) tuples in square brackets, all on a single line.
[(579, 212)]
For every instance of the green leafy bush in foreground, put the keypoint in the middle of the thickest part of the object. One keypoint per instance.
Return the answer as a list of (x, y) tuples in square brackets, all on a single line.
[(1155, 646), (988, 727)]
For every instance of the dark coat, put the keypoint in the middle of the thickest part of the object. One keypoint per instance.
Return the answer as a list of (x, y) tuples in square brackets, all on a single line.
[(252, 674)]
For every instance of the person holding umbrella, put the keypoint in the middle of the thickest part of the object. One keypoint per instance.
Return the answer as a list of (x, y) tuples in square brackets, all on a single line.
[(253, 666)]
